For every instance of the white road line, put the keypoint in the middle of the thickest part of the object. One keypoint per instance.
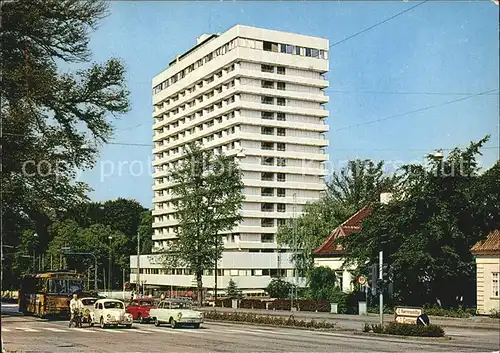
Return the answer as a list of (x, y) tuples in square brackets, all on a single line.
[(53, 329), (5, 330), (273, 332), (112, 331), (250, 332), (26, 329), (80, 329), (157, 330)]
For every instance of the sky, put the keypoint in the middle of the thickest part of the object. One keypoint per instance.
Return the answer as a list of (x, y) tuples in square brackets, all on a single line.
[(430, 56)]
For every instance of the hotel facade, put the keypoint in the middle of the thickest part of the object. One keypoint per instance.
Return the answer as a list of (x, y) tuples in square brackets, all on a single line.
[(258, 95)]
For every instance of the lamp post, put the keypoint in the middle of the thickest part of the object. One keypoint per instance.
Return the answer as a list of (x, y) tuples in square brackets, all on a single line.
[(109, 263), (210, 208), (138, 278)]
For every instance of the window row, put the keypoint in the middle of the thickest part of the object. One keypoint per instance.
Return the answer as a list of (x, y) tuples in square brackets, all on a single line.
[(269, 146), (271, 100), (267, 130), (270, 116), (283, 48), (269, 207), (271, 161), (185, 72), (281, 177), (280, 70), (220, 272), (270, 222), (270, 192)]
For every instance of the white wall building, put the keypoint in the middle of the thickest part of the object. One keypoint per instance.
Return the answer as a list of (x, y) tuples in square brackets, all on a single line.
[(256, 94)]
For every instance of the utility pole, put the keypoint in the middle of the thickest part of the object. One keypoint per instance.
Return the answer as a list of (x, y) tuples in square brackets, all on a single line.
[(138, 276), (381, 292), (109, 263)]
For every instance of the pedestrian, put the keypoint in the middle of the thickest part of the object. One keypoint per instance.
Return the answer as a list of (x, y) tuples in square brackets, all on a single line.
[(75, 307), (162, 296)]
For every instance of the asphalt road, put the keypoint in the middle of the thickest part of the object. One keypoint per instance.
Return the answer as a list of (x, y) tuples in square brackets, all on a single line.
[(28, 334)]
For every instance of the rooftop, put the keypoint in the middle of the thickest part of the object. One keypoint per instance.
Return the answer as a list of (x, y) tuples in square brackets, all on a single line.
[(353, 224), (488, 246)]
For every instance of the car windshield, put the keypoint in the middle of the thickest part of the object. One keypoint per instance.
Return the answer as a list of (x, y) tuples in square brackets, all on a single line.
[(145, 303), (88, 301), (113, 305), (177, 305)]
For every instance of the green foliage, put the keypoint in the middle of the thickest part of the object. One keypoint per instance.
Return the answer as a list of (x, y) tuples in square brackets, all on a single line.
[(396, 328), (50, 112), (449, 312), (279, 288), (347, 303), (356, 185), (321, 282), (495, 314), (377, 328), (366, 327), (267, 320), (232, 290), (440, 211), (209, 190)]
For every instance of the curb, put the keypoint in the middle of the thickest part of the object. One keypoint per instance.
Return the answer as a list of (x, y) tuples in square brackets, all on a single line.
[(420, 338), (280, 326)]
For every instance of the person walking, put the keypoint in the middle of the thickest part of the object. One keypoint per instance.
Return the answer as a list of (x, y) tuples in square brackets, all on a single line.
[(162, 296), (75, 307)]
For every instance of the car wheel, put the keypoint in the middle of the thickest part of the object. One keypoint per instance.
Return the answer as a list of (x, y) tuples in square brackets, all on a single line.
[(141, 319), (196, 325), (172, 322), (102, 324), (91, 324), (157, 323)]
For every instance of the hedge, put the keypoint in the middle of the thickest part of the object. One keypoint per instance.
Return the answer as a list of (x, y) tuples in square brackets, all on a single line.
[(252, 304), (267, 320), (225, 303), (396, 328), (438, 311)]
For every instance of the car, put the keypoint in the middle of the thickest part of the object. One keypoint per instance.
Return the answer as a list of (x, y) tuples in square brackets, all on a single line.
[(176, 313), (139, 309), (110, 312), (88, 307)]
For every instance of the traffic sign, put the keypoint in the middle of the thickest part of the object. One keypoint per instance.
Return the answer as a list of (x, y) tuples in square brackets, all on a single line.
[(362, 280), (409, 312), (406, 320)]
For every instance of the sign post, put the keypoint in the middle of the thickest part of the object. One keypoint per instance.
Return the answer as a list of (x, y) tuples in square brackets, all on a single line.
[(407, 315), (381, 295)]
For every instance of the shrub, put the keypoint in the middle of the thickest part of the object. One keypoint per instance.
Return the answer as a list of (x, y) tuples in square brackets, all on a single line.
[(314, 305), (266, 319), (495, 314), (281, 304), (396, 328), (449, 312), (252, 304), (366, 327), (377, 328), (226, 303)]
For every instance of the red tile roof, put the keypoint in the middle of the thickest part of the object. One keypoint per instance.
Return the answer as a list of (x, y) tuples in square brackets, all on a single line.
[(352, 225), (488, 246)]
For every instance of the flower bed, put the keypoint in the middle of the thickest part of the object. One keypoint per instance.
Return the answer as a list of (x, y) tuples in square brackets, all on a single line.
[(267, 320)]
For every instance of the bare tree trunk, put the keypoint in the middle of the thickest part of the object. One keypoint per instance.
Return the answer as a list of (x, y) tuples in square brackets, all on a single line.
[(199, 284)]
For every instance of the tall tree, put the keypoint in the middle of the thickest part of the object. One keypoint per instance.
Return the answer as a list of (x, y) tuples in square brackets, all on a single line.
[(53, 120), (208, 191), (146, 231), (426, 233), (356, 185)]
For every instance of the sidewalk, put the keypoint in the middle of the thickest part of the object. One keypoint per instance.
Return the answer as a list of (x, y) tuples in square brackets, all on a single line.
[(356, 321)]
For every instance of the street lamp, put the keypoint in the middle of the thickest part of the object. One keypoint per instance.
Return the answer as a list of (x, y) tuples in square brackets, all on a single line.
[(109, 262), (216, 240)]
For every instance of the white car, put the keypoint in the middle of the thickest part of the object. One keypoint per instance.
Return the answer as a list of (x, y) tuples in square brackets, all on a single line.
[(88, 307), (176, 313), (110, 312)]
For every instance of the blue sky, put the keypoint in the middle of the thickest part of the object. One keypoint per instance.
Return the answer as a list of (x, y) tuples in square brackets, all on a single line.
[(439, 47)]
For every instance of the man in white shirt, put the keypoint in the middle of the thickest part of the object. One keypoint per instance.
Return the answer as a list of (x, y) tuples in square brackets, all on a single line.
[(75, 306)]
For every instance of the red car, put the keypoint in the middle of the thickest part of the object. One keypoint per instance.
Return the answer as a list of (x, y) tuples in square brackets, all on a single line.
[(139, 309)]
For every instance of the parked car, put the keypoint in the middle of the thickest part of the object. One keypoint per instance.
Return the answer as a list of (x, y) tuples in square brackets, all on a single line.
[(176, 313), (110, 312), (139, 309), (88, 307)]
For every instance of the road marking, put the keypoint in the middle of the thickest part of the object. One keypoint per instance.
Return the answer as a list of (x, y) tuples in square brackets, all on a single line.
[(251, 332), (26, 329), (5, 329), (112, 331), (157, 330), (53, 329), (273, 332)]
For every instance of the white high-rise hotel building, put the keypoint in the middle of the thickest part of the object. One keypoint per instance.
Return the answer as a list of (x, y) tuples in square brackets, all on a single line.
[(256, 94)]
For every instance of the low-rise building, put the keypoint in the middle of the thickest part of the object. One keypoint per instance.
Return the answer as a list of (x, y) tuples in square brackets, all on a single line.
[(487, 253)]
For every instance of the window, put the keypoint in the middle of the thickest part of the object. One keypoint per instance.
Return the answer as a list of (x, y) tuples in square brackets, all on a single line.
[(267, 115), (267, 84), (281, 116), (267, 238), (281, 222), (308, 51), (267, 176), (283, 48), (267, 46), (267, 100), (281, 101), (280, 146), (268, 146), (315, 53), (266, 130), (267, 207), (267, 161), (281, 177), (281, 70), (267, 68), (281, 131), (281, 192), (266, 192), (267, 222), (281, 207), (281, 86), (297, 50), (281, 162), (494, 284), (290, 49)]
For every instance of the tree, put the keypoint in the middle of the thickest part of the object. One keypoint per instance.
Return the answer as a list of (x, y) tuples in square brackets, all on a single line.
[(349, 190), (209, 198), (53, 120), (321, 282), (232, 290), (279, 288), (146, 231), (440, 211)]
